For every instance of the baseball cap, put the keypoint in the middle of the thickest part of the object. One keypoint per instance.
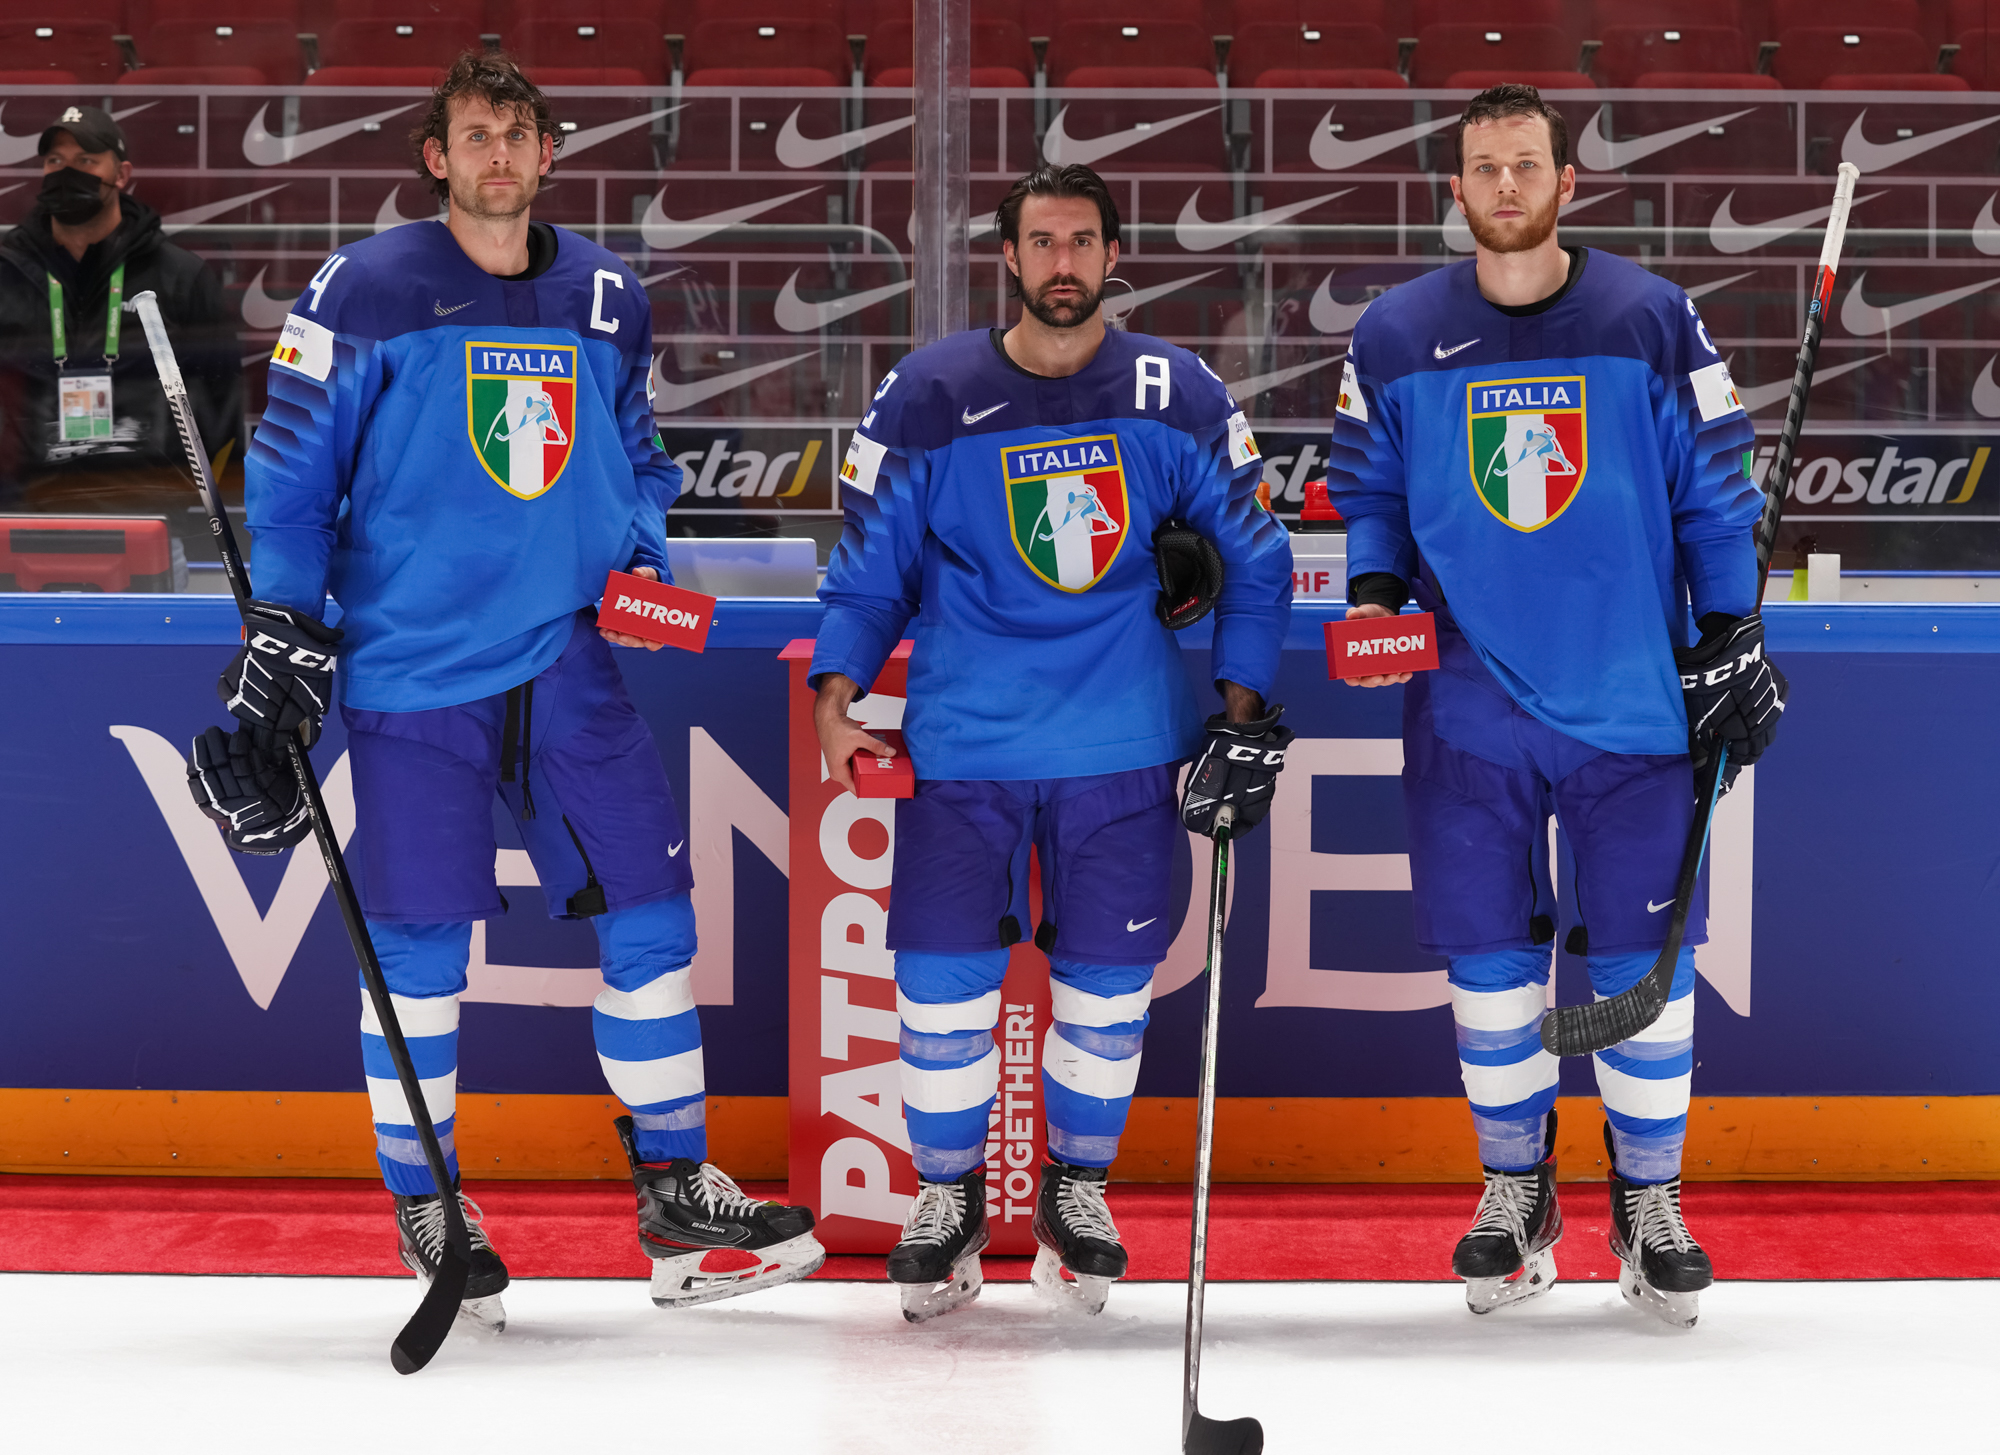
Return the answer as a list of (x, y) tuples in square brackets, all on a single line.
[(92, 127)]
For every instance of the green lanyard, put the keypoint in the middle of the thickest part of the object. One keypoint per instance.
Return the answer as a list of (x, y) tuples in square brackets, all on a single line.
[(114, 317)]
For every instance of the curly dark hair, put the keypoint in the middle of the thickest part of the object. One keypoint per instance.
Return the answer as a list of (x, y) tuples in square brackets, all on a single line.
[(493, 77), (1515, 98)]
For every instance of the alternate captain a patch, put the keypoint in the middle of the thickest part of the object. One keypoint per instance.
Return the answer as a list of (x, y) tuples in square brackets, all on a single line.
[(520, 410), (1529, 446), (1067, 507)]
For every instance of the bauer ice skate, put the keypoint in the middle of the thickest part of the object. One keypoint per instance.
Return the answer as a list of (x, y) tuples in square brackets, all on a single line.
[(1662, 1269), (1080, 1256), (936, 1262), (707, 1239), (1508, 1254), (420, 1236)]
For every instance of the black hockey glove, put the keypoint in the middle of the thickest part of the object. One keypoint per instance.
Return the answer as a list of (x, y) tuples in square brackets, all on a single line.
[(1190, 574), (1239, 766), (283, 676), (242, 781), (1734, 693)]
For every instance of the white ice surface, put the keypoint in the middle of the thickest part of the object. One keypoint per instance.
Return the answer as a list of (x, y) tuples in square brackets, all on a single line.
[(220, 1365)]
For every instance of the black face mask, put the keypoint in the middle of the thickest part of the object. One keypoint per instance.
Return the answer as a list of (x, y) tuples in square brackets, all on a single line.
[(72, 197)]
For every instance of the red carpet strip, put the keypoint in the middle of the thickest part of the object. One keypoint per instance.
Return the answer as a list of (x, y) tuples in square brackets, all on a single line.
[(324, 1226)]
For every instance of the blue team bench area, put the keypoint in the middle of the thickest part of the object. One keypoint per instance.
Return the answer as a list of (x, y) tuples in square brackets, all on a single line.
[(1853, 914)]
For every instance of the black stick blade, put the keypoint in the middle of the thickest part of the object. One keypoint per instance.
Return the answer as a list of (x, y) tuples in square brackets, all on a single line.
[(425, 1333), (1584, 1030), (1223, 1437)]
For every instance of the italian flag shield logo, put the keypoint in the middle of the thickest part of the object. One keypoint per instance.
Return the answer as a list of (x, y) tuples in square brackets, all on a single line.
[(1067, 507), (1529, 446), (520, 410)]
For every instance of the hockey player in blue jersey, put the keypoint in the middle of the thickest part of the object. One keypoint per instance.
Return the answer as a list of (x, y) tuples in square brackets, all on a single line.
[(1003, 495), (1544, 447), (459, 446)]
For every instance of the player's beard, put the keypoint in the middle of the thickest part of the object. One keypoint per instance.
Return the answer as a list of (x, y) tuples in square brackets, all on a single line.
[(469, 199), (1526, 234), (1062, 315)]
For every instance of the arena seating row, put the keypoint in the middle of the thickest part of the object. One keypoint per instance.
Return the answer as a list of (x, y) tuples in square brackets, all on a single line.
[(1944, 45)]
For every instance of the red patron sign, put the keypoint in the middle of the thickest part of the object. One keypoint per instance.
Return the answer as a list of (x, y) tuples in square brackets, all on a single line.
[(892, 777), (1379, 645), (656, 611)]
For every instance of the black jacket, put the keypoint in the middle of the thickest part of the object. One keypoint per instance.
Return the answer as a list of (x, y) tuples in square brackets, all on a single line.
[(201, 326)]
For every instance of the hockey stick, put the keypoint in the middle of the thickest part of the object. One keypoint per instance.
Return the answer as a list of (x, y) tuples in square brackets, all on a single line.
[(1583, 1030), (425, 1332), (1199, 1434)]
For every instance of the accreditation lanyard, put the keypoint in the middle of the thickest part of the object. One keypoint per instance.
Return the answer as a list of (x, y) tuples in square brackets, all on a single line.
[(114, 317)]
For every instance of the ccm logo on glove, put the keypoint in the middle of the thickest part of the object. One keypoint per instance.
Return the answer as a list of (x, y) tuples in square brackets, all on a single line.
[(656, 611), (292, 656)]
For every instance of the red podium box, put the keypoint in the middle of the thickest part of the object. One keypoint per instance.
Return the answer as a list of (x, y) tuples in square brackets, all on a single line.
[(1376, 646), (849, 1149), (656, 611), (885, 777)]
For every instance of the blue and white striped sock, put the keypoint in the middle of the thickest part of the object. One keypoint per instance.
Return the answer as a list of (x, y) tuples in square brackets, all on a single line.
[(950, 1066), (1498, 1000), (1090, 1058), (647, 1030), (1646, 1081), (424, 967)]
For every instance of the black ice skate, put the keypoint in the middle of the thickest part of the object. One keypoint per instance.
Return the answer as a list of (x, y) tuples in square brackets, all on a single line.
[(421, 1238), (1080, 1256), (709, 1241), (936, 1262), (1508, 1254), (1662, 1269)]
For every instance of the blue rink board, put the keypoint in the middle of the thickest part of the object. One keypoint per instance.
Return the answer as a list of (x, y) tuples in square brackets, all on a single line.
[(1875, 900)]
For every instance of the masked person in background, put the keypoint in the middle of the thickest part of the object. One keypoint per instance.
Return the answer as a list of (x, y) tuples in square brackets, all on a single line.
[(84, 427)]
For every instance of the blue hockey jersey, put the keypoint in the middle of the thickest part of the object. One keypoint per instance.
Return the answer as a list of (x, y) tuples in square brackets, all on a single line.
[(1011, 517), (1569, 479), (458, 459)]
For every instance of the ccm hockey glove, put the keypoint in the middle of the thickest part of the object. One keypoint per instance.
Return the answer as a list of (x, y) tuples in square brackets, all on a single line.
[(242, 781), (283, 676), (1732, 690), (1239, 766)]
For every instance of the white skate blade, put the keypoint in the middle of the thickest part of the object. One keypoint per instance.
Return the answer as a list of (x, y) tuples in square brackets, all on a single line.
[(1536, 1276), (1678, 1309), (683, 1281), (923, 1301), (1079, 1291), (488, 1313)]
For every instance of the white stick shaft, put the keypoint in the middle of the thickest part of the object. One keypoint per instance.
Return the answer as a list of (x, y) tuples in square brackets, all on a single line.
[(1836, 225)]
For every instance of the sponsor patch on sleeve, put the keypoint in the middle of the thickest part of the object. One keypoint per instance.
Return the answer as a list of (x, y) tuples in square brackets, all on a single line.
[(304, 347), (1351, 403), (1242, 444), (1715, 392), (863, 463)]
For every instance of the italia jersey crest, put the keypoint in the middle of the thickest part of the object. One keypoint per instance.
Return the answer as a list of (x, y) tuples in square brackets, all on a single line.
[(520, 410), (1067, 508), (1529, 446)]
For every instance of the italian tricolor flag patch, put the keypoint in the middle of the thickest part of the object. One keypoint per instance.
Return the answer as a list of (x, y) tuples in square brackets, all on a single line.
[(1528, 446)]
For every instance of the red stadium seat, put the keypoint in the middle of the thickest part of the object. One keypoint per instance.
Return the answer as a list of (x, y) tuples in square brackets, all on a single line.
[(1364, 80), (49, 77), (195, 76), (425, 76), (1540, 80), (768, 45), (1705, 81), (1487, 14), (1978, 59), (632, 46), (1807, 57), (1141, 78), (1631, 51), (1445, 51), (1845, 14), (1896, 81), (1129, 37), (419, 34), (193, 42), (1307, 13), (55, 47), (1664, 14), (1969, 17), (1264, 47), (1000, 51)]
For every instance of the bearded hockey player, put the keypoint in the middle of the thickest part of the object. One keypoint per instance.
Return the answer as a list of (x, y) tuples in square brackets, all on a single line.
[(1544, 446), (1003, 494), (459, 447)]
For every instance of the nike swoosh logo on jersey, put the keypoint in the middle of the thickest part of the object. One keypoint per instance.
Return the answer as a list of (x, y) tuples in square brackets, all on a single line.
[(442, 312), (174, 222), (1598, 153), (590, 136), (1768, 394), (1874, 156), (386, 216), (16, 149), (970, 418), (670, 397), (663, 232), (1727, 235), (795, 315), (1133, 929), (795, 150), (1439, 351), (1865, 319), (1331, 153), (1124, 303), (1064, 150), (1197, 236), (1652, 908), (261, 149), (260, 310), (675, 849)]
